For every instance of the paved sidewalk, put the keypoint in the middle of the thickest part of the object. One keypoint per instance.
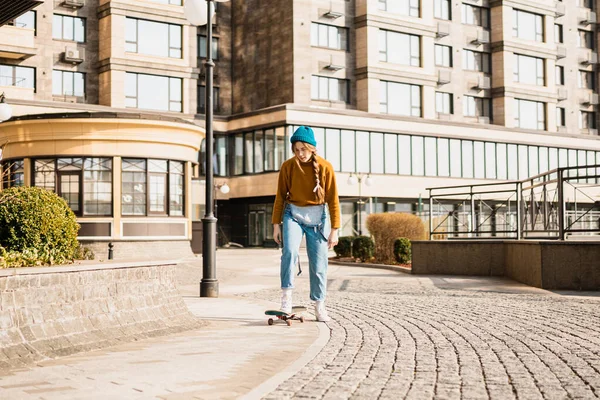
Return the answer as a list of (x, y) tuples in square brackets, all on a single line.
[(236, 354)]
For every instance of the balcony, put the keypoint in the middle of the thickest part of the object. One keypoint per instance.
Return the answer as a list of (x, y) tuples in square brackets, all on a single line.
[(562, 93), (17, 43), (483, 83), (589, 99), (444, 76), (561, 51), (586, 17), (443, 29), (483, 37), (588, 58)]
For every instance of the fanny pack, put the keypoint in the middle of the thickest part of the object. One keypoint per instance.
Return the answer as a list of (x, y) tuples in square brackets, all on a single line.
[(313, 216)]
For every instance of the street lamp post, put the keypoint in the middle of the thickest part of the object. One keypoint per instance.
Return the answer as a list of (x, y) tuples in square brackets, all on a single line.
[(354, 179)]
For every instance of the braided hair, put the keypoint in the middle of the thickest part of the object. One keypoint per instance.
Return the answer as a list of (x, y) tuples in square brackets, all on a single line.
[(319, 191)]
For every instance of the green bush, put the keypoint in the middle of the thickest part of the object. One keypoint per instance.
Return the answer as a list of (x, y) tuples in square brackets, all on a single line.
[(363, 248), (402, 250), (38, 224), (344, 246)]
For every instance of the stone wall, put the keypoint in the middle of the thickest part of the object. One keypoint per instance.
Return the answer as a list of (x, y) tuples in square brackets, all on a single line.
[(141, 250), (57, 311)]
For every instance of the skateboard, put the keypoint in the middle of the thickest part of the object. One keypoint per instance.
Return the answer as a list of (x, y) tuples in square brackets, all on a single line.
[(287, 318)]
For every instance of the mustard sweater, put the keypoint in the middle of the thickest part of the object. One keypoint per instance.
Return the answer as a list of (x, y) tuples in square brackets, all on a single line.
[(296, 186)]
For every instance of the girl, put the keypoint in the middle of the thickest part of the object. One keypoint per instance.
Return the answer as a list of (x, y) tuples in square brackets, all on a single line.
[(306, 197)]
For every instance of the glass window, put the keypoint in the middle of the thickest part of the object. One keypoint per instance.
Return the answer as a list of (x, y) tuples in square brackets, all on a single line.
[(476, 106), (377, 152), (332, 89), (528, 70), (558, 34), (404, 155), (479, 159), (399, 48), (258, 151), (443, 160), (26, 21), (430, 156), (404, 7), (363, 163), (153, 92), (585, 39), (562, 158), (443, 103), (348, 151), (513, 162), (176, 182), (530, 114), (585, 3), (560, 116), (12, 75), (474, 15), (249, 153), (587, 120), (443, 56), (202, 99), (400, 99), (552, 158), (501, 155), (528, 26), (282, 147), (332, 148), (467, 159), (559, 75), (153, 38), (16, 173), (68, 28), (490, 160), (585, 79), (455, 158), (320, 138), (157, 186), (333, 37), (45, 174), (66, 83), (202, 47), (97, 186), (476, 61), (269, 150), (534, 166), (417, 155), (391, 153), (442, 9), (221, 157), (238, 160), (543, 159), (523, 162)]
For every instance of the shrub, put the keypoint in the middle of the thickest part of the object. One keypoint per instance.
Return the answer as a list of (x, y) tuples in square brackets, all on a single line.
[(344, 246), (387, 227), (38, 224), (402, 250), (362, 247)]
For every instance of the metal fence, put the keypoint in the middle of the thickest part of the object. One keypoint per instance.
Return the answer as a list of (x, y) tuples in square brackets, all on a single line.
[(559, 204)]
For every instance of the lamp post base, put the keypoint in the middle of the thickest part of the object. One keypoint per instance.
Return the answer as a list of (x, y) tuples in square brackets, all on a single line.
[(209, 288)]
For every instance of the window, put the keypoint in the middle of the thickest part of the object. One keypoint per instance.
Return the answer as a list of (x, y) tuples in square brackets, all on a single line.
[(587, 120), (529, 70), (400, 99), (559, 75), (443, 56), (528, 26), (26, 21), (202, 99), (13, 173), (476, 61), (333, 37), (560, 116), (443, 103), (68, 28), (323, 88), (202, 47), (152, 38), (585, 39), (66, 83), (586, 3), (442, 9), (474, 15), (399, 48), (153, 92), (585, 79), (558, 34), (84, 183), (476, 106), (12, 75), (404, 7), (530, 114), (144, 187)]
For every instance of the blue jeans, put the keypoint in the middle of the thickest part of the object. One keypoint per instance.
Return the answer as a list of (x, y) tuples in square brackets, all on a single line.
[(316, 248)]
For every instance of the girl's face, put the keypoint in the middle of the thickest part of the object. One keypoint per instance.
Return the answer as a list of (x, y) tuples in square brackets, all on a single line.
[(302, 152)]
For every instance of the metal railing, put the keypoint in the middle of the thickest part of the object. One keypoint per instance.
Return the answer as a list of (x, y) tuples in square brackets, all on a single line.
[(557, 204)]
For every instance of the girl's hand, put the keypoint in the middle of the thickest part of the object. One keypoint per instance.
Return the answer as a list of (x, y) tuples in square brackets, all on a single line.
[(277, 233), (333, 238)]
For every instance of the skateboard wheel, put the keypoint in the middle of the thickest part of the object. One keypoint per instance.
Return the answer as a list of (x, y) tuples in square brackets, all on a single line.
[(302, 319), (270, 321), (288, 322)]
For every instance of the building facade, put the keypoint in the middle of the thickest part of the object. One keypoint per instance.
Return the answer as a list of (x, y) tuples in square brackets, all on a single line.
[(411, 93)]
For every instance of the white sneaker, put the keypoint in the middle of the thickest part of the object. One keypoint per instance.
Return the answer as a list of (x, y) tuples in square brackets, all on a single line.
[(286, 300), (321, 312)]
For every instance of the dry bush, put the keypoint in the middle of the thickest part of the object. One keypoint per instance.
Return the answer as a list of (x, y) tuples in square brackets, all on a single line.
[(388, 227)]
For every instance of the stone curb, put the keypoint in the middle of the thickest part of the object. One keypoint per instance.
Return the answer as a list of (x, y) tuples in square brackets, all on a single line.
[(396, 268), (84, 267)]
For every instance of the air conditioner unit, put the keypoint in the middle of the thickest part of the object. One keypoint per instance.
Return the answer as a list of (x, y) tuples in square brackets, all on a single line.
[(333, 14), (334, 67), (73, 55), (590, 99), (444, 76), (562, 93), (483, 82), (559, 11), (73, 3), (589, 58), (443, 29), (561, 52), (483, 120), (586, 17), (483, 37)]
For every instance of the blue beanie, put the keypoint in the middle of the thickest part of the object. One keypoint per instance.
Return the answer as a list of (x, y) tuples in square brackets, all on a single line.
[(304, 134)]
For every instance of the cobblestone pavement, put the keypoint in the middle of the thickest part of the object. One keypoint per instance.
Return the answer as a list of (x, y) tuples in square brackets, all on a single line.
[(397, 336)]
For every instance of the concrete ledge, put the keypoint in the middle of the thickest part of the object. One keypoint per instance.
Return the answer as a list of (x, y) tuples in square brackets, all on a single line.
[(396, 268), (57, 311)]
